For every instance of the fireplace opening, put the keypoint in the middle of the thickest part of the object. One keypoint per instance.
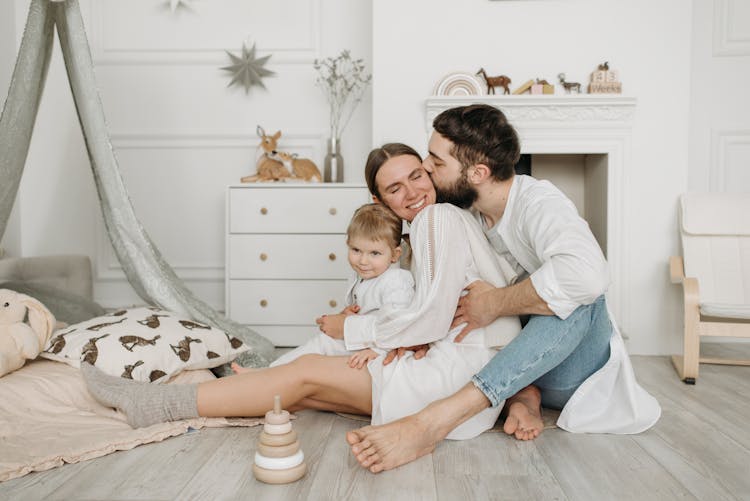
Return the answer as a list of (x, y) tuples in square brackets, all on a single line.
[(582, 177)]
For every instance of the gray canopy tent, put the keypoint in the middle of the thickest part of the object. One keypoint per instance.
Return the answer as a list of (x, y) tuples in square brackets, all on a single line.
[(145, 268)]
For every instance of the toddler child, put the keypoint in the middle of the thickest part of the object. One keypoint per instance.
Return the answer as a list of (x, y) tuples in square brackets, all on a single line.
[(374, 241)]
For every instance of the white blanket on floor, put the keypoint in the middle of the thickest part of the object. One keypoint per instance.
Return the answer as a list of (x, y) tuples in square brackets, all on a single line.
[(48, 418)]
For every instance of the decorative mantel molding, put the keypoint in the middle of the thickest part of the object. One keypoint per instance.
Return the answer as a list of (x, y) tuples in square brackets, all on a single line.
[(593, 110)]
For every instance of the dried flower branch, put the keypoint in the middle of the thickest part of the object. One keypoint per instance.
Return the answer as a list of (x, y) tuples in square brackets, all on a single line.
[(343, 80)]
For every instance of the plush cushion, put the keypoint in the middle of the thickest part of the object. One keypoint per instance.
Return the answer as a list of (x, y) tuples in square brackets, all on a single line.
[(66, 306), (725, 310), (715, 213), (145, 344)]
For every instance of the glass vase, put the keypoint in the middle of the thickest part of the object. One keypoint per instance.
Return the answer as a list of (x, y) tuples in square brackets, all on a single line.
[(333, 166)]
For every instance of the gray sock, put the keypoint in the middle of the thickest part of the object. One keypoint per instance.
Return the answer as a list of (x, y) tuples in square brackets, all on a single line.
[(144, 404)]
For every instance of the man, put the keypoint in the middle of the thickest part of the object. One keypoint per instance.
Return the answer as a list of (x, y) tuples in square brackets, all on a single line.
[(563, 276)]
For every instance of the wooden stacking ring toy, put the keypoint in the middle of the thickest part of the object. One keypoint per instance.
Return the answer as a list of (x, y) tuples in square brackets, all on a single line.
[(278, 457)]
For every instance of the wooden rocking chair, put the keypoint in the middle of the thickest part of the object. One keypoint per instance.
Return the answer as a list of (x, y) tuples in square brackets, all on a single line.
[(714, 272)]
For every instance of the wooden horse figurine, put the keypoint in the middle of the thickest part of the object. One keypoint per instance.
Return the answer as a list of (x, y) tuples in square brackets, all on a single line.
[(492, 82)]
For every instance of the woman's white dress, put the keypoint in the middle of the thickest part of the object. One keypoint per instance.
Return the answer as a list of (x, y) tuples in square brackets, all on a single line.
[(443, 265)]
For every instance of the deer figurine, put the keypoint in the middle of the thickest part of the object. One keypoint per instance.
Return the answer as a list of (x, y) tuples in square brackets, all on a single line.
[(492, 82), (569, 86), (267, 169), (301, 168)]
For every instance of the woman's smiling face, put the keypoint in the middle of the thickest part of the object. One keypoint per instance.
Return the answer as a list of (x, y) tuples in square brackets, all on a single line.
[(404, 186)]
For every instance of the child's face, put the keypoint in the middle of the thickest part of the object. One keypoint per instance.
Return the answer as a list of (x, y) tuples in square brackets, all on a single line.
[(370, 258)]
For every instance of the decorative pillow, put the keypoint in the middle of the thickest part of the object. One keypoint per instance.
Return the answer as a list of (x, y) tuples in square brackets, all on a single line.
[(145, 344)]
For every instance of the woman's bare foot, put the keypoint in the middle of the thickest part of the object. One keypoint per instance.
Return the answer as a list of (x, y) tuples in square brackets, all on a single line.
[(524, 419), (380, 448), (238, 369)]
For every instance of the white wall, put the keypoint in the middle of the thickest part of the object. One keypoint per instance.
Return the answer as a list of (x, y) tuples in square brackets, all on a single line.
[(648, 42), (180, 135), (720, 112)]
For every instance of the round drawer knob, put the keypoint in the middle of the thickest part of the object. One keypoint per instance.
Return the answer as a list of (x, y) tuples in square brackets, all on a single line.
[(332, 211), (263, 256), (263, 303), (333, 303), (263, 211), (332, 256)]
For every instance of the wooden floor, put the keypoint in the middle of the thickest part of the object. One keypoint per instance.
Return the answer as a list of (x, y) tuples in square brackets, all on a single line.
[(700, 449)]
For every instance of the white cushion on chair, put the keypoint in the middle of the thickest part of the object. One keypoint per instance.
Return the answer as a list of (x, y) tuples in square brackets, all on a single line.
[(715, 213), (715, 230), (724, 310)]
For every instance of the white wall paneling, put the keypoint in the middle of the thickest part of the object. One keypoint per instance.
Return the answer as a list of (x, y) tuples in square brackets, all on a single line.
[(730, 161), (180, 206), (202, 32), (731, 28), (719, 121)]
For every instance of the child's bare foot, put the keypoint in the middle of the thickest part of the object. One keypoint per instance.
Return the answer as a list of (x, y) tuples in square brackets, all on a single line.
[(238, 369), (524, 419)]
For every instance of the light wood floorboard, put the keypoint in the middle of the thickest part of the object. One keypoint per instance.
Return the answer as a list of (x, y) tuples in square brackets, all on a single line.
[(700, 449)]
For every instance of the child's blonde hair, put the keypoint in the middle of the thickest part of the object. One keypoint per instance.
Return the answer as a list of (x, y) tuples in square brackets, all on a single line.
[(375, 222)]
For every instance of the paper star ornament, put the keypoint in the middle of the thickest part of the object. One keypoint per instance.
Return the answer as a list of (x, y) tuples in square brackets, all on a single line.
[(246, 69), (175, 4)]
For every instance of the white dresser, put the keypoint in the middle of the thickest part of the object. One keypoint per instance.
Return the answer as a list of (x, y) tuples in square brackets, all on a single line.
[(286, 255)]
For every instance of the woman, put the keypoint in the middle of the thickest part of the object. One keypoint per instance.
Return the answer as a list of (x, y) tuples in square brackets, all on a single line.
[(442, 264)]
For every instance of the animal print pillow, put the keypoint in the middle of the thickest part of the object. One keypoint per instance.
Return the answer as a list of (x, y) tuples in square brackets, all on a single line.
[(145, 344)]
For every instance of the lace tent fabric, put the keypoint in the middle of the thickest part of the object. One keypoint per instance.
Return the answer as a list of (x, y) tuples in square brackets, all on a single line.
[(145, 268)]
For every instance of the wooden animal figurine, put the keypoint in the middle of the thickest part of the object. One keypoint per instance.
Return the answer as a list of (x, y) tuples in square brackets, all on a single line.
[(301, 168), (492, 82), (542, 86), (278, 458), (569, 86), (266, 168)]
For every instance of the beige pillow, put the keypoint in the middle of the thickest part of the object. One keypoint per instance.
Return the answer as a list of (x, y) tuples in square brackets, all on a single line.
[(144, 344)]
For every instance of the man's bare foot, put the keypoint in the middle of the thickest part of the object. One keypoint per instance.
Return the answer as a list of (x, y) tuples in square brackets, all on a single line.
[(388, 446), (380, 448), (524, 419)]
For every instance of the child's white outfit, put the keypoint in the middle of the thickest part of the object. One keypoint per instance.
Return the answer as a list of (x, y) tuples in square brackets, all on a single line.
[(393, 289)]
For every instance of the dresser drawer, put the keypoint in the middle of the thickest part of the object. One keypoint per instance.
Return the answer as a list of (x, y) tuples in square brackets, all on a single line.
[(284, 302), (293, 210), (288, 256)]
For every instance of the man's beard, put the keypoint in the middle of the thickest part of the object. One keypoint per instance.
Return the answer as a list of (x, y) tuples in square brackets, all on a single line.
[(461, 194)]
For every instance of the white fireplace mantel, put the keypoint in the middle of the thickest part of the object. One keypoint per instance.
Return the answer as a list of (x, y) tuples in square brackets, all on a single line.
[(577, 110), (598, 126)]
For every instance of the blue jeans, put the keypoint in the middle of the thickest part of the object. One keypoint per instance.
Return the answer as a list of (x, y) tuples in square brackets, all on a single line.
[(554, 355)]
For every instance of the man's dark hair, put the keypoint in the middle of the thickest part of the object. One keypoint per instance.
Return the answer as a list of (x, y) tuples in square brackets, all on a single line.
[(481, 135)]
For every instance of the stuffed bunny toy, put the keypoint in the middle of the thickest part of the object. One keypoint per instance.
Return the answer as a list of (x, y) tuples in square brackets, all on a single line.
[(20, 341)]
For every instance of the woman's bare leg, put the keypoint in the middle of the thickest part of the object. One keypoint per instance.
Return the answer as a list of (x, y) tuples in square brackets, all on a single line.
[(312, 381), (308, 381)]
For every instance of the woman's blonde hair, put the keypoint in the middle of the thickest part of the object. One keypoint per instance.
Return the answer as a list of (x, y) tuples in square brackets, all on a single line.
[(375, 222)]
